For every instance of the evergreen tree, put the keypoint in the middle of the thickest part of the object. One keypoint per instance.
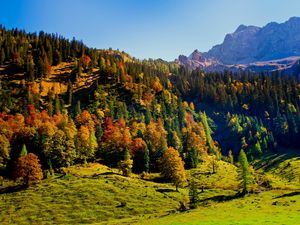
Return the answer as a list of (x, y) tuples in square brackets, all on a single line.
[(245, 174), (193, 194), (2, 56), (23, 151), (230, 157), (125, 165), (78, 108), (192, 158), (70, 92), (210, 143)]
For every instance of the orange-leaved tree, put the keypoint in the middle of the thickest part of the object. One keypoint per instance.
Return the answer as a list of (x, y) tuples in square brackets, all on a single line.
[(28, 168), (172, 167)]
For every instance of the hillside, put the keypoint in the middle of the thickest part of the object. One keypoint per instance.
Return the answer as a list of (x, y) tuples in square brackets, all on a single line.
[(92, 136)]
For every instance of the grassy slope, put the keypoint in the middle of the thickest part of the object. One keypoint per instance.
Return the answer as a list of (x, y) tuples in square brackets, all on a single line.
[(94, 194), (265, 208)]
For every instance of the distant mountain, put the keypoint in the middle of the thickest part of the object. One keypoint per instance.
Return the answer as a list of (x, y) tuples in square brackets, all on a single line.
[(272, 47)]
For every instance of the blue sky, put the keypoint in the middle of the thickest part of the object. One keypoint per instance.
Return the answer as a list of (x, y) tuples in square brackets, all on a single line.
[(145, 28)]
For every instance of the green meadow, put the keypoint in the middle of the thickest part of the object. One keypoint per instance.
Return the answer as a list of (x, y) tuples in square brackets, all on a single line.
[(96, 194)]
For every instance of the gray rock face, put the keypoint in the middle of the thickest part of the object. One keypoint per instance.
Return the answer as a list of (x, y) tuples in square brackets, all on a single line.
[(252, 48), (250, 44)]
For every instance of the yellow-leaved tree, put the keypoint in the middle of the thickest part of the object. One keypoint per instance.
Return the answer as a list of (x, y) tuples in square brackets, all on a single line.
[(172, 167)]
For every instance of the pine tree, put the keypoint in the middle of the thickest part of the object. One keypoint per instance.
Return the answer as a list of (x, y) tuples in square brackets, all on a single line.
[(230, 157), (2, 56), (78, 108), (146, 159), (58, 107), (244, 172), (70, 92), (125, 165), (192, 158), (193, 194), (210, 142), (23, 151)]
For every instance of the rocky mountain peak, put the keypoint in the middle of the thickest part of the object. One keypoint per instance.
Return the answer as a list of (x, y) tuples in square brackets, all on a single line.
[(248, 45)]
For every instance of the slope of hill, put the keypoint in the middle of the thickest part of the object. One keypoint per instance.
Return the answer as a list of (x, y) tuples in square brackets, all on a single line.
[(63, 104)]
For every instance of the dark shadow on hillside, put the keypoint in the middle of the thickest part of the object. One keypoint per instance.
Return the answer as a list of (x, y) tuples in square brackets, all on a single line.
[(165, 190), (13, 189), (62, 77), (203, 173), (223, 198), (274, 160), (288, 194)]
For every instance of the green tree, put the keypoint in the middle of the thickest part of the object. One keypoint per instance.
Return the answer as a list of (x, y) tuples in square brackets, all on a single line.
[(210, 142), (245, 173), (193, 194), (230, 157), (70, 92), (2, 56), (23, 151), (78, 108), (125, 165), (192, 158)]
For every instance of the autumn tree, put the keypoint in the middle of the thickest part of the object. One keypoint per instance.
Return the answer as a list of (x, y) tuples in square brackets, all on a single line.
[(29, 169), (116, 140), (86, 143), (4, 150), (60, 150), (172, 167), (140, 154), (156, 136)]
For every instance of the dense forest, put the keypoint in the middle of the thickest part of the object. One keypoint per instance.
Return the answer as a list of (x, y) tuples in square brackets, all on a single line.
[(104, 105)]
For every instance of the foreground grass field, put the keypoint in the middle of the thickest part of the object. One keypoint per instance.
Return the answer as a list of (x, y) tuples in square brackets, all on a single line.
[(95, 194), (271, 207)]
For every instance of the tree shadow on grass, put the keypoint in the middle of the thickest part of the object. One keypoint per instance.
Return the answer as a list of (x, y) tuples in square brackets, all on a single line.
[(223, 198), (13, 189), (288, 194), (165, 190)]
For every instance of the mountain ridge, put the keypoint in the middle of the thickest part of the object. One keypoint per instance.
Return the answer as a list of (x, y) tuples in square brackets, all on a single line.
[(251, 45)]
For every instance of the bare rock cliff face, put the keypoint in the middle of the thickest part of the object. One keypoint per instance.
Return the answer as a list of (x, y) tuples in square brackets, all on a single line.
[(251, 46)]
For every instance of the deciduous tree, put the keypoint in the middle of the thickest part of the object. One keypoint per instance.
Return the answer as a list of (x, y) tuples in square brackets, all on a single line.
[(172, 167)]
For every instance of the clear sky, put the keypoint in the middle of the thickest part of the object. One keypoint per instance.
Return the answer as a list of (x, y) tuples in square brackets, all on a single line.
[(145, 28)]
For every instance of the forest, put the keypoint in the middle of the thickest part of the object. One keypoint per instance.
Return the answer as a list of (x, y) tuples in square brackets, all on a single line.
[(63, 104)]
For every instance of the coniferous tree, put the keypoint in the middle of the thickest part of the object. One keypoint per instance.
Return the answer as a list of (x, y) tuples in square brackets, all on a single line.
[(23, 151), (245, 174), (193, 194), (2, 56)]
